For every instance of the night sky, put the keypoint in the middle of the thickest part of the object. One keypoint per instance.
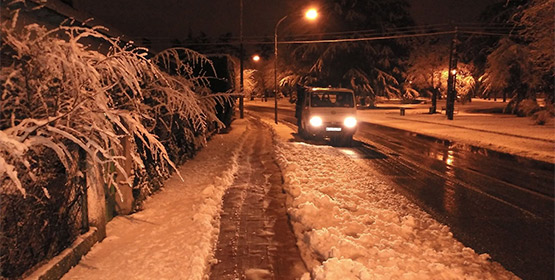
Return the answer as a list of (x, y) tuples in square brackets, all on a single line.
[(169, 19)]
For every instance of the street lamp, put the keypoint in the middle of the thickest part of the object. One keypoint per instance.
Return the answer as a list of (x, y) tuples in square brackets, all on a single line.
[(310, 14)]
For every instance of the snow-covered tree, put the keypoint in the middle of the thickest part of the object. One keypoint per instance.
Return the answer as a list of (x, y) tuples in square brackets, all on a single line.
[(523, 67), (538, 21), (428, 69), (253, 83), (428, 60), (509, 69), (465, 82)]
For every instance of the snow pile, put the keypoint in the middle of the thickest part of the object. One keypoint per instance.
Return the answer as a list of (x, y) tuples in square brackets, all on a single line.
[(351, 225), (174, 236)]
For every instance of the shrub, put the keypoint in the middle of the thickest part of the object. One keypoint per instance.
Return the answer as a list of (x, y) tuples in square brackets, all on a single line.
[(543, 116), (527, 107), (43, 223), (57, 89), (60, 96)]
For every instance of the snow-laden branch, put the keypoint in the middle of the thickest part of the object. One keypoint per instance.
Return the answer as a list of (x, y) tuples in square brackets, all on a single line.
[(62, 95)]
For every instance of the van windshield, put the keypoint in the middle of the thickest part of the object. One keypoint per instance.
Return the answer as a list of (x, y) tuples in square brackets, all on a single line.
[(331, 99)]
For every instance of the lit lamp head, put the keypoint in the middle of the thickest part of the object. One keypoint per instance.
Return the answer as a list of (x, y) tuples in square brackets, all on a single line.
[(255, 58), (311, 14)]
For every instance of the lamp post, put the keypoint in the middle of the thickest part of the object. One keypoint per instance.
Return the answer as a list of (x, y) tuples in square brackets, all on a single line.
[(241, 78), (311, 14)]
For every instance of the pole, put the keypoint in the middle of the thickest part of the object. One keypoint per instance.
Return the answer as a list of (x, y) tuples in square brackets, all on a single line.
[(241, 83), (275, 68), (450, 104)]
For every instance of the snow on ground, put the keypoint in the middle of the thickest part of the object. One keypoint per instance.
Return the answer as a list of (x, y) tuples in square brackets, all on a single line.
[(173, 237), (351, 225)]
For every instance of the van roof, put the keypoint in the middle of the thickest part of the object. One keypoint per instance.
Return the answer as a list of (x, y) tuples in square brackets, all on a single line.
[(329, 89)]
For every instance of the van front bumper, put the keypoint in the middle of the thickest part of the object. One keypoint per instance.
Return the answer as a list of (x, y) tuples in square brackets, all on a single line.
[(331, 130)]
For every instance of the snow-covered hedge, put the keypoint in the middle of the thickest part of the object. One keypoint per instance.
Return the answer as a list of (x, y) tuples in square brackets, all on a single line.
[(59, 90), (60, 95)]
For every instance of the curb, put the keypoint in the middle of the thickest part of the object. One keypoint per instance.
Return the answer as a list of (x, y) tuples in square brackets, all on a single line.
[(68, 258)]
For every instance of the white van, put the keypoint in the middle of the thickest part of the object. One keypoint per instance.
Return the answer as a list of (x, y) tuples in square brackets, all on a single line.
[(327, 112)]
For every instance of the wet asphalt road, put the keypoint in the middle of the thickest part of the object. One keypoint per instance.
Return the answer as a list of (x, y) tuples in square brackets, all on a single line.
[(494, 203)]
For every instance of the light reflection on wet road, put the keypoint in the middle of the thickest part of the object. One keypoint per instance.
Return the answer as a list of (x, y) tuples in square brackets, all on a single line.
[(494, 203)]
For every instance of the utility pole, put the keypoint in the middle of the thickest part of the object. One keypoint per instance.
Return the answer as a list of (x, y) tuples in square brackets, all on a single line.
[(241, 84), (451, 78)]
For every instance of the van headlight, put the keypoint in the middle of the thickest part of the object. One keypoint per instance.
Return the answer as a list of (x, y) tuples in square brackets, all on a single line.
[(316, 121), (350, 122)]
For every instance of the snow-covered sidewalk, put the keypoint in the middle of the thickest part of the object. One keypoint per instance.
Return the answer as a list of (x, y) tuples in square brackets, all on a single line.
[(173, 237), (351, 225)]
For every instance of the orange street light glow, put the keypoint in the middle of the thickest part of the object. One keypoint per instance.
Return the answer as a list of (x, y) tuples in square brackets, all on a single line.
[(255, 58), (311, 14)]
